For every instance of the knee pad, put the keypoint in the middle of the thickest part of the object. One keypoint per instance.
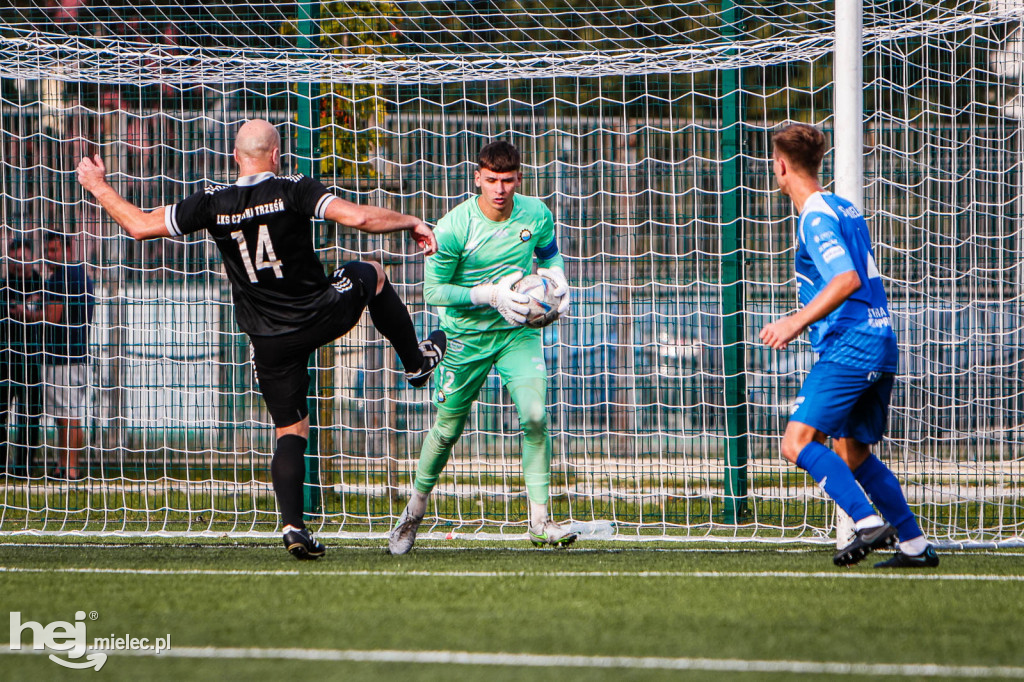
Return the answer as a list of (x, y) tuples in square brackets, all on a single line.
[(356, 271)]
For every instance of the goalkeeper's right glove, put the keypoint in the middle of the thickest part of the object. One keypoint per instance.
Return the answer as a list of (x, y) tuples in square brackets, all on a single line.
[(511, 304)]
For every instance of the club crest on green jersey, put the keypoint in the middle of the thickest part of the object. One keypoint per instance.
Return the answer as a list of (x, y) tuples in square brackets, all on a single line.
[(526, 235)]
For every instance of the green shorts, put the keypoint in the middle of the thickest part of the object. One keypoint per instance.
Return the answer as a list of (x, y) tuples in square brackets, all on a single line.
[(517, 354)]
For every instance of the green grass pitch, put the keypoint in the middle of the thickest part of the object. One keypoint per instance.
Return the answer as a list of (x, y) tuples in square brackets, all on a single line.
[(470, 610)]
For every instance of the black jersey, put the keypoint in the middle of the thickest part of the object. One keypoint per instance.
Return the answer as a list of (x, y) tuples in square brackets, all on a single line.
[(262, 227)]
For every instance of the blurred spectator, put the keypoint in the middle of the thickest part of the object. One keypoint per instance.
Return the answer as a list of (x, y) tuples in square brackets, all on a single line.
[(66, 314), (21, 392)]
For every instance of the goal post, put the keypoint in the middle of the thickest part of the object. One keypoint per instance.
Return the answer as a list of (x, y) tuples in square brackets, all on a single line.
[(849, 147), (646, 128), (849, 98), (307, 150), (733, 357)]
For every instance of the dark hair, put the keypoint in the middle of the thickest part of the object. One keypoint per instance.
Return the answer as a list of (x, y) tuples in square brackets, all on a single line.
[(500, 157), (20, 243), (803, 146), (64, 238)]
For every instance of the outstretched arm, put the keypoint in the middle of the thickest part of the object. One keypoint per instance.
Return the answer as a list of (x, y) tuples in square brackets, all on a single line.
[(92, 175), (376, 220)]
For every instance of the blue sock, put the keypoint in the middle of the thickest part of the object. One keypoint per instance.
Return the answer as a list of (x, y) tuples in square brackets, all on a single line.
[(832, 474), (884, 490)]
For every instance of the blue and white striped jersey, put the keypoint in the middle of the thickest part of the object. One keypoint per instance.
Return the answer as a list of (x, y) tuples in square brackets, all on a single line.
[(833, 239)]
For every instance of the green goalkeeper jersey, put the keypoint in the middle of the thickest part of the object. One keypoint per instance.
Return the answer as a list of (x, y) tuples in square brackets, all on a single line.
[(474, 250)]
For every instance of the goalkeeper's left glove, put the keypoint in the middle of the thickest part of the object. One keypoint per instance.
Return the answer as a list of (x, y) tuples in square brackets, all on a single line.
[(557, 275)]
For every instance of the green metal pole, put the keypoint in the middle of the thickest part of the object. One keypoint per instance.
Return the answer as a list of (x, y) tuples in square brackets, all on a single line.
[(734, 361), (307, 150)]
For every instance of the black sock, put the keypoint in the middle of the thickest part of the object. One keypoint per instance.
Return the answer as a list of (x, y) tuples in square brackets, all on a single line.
[(288, 472), (391, 318)]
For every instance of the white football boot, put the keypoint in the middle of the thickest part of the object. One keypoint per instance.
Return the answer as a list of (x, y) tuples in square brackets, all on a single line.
[(551, 534), (403, 535)]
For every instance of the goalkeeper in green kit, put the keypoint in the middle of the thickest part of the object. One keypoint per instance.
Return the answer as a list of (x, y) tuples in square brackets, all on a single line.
[(485, 245)]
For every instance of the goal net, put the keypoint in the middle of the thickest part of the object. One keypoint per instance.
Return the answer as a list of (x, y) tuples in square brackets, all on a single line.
[(645, 128)]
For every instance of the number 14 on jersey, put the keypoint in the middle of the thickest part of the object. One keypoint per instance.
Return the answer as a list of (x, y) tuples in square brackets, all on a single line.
[(264, 257)]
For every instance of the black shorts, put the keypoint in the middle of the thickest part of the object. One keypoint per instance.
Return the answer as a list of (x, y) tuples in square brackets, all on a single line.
[(280, 362)]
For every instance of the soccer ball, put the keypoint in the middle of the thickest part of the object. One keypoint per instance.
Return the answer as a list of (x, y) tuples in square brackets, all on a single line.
[(543, 302)]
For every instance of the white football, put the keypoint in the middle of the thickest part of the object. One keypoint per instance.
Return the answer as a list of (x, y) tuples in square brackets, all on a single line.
[(543, 302)]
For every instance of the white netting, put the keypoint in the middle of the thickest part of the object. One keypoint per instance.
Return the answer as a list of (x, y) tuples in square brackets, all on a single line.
[(437, 42), (645, 128)]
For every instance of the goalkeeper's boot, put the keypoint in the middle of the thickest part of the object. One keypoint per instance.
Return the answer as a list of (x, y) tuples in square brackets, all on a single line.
[(433, 348), (864, 542), (926, 559), (551, 534), (301, 543), (403, 535)]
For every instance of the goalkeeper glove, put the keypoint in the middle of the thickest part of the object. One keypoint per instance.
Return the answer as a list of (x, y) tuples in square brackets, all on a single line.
[(511, 304), (557, 275)]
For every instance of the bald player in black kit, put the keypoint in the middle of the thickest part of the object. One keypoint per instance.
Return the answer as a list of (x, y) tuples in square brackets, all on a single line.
[(283, 299)]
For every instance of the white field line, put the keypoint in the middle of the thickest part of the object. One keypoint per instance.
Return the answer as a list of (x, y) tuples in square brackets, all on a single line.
[(276, 547), (723, 665), (755, 544), (782, 575), (445, 548)]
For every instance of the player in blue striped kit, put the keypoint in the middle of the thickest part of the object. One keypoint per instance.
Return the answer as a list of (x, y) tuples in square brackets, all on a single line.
[(846, 394)]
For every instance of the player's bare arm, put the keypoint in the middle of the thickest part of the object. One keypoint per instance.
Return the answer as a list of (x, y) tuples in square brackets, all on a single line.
[(377, 220), (778, 334), (139, 224)]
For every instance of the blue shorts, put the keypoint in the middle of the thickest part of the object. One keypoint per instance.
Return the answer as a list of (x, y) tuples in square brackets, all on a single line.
[(843, 402)]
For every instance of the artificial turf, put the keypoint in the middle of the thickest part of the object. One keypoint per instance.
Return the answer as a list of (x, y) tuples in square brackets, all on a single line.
[(741, 602)]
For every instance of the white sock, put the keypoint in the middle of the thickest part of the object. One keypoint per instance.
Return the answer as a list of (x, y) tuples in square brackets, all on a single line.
[(873, 521), (418, 503), (915, 546), (538, 514)]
